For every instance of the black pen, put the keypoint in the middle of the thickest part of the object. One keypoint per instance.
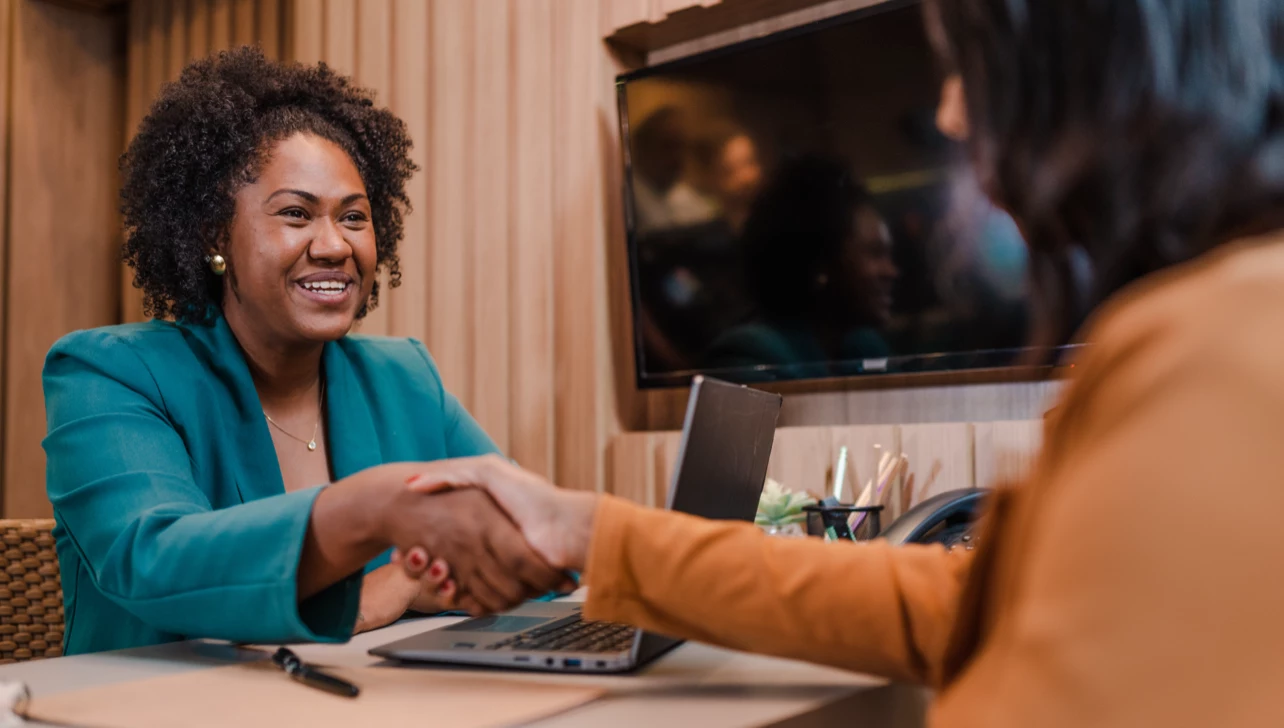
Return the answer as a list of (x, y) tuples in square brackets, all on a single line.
[(308, 675)]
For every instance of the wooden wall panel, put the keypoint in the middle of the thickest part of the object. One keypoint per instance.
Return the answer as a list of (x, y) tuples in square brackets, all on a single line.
[(641, 465), (66, 126), (306, 33), (198, 31), (268, 26), (220, 25), (6, 98), (940, 458), (586, 417), (407, 309), (490, 151), (532, 242), (373, 69), (1005, 451), (449, 280), (244, 20)]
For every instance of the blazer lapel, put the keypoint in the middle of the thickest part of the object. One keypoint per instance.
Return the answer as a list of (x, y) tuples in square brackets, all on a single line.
[(352, 438), (257, 472)]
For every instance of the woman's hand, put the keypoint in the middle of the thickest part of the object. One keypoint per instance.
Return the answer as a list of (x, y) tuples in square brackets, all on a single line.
[(357, 518), (493, 565), (557, 523), (406, 583)]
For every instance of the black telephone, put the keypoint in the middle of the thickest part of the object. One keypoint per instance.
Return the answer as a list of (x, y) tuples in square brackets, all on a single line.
[(945, 519)]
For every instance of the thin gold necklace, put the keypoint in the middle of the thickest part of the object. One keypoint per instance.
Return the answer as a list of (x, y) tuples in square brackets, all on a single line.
[(312, 443)]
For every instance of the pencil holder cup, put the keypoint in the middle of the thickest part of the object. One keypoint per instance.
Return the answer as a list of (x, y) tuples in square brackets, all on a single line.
[(839, 522)]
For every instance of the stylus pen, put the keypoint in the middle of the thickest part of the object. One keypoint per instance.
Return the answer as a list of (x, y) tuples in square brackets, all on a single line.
[(312, 677)]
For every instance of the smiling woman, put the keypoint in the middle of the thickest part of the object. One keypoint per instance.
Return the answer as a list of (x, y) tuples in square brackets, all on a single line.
[(260, 202)]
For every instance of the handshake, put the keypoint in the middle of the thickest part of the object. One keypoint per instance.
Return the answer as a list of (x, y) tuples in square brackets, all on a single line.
[(477, 534)]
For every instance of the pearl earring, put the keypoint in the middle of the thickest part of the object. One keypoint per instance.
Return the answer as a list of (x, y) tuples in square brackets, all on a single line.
[(218, 264)]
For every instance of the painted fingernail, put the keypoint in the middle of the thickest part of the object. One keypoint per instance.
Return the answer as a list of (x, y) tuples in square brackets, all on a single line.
[(437, 570), (416, 558)]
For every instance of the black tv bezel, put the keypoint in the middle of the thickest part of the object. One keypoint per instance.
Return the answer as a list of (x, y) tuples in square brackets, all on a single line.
[(999, 359)]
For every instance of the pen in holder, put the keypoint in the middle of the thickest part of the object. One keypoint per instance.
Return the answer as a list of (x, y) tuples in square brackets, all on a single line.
[(830, 520)]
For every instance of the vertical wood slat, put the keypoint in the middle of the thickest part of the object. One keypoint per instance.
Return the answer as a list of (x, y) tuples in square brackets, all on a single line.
[(1005, 451), (136, 99), (372, 69), (198, 28), (244, 21), (268, 27), (220, 25), (176, 40), (618, 14), (489, 152), (155, 69), (146, 67), (68, 68), (340, 45), (6, 19), (941, 458), (307, 31), (632, 465), (409, 99), (582, 410), (531, 247), (449, 297)]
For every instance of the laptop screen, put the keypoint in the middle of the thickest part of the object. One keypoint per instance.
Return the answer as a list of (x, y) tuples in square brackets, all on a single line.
[(726, 443)]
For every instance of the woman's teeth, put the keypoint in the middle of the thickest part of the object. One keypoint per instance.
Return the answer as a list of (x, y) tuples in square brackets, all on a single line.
[(326, 287)]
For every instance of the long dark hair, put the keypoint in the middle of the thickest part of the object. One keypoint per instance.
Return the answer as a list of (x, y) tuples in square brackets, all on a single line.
[(1139, 132)]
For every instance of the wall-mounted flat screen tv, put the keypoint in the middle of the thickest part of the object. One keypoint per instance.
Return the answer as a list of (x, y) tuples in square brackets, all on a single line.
[(793, 213)]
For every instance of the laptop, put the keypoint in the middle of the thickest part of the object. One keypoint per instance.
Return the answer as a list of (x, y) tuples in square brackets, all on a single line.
[(720, 469)]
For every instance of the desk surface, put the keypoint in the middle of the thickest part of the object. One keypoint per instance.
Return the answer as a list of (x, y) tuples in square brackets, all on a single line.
[(695, 685)]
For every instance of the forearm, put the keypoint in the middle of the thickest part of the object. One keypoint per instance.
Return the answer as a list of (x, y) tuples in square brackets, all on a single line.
[(869, 607), (348, 528)]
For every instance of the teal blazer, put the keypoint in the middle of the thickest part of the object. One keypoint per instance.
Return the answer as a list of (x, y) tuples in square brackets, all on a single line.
[(173, 521)]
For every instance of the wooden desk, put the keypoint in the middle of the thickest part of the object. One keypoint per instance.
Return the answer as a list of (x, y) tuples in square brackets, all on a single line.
[(695, 685)]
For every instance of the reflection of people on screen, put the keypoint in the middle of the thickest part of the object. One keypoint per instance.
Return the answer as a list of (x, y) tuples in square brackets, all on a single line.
[(981, 270), (662, 198), (731, 172), (820, 273)]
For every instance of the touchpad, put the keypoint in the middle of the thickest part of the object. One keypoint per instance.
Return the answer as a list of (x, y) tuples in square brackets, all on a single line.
[(498, 623)]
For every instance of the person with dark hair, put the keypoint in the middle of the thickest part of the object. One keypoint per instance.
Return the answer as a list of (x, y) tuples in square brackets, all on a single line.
[(1130, 580), (820, 273), (260, 202)]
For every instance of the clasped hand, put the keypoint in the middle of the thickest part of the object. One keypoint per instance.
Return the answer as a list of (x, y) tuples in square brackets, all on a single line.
[(486, 535)]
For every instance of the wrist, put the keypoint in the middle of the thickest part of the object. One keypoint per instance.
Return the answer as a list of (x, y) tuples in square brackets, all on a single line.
[(581, 511), (375, 504)]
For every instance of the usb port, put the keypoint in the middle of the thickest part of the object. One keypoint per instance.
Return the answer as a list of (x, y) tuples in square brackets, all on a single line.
[(522, 658), (570, 663)]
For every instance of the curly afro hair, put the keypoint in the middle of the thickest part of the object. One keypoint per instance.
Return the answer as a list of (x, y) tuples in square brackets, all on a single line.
[(208, 135)]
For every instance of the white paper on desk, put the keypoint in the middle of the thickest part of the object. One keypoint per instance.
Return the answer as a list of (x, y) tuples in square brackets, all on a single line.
[(258, 694)]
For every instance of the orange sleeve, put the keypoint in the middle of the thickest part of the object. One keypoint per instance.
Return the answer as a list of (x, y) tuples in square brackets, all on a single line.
[(869, 607)]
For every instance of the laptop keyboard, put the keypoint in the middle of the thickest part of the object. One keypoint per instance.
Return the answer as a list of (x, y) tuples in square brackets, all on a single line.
[(576, 635)]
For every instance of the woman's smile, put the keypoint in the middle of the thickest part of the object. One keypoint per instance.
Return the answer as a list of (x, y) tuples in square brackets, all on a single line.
[(332, 289)]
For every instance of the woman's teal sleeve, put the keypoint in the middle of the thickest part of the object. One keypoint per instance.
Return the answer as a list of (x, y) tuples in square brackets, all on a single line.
[(122, 487)]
